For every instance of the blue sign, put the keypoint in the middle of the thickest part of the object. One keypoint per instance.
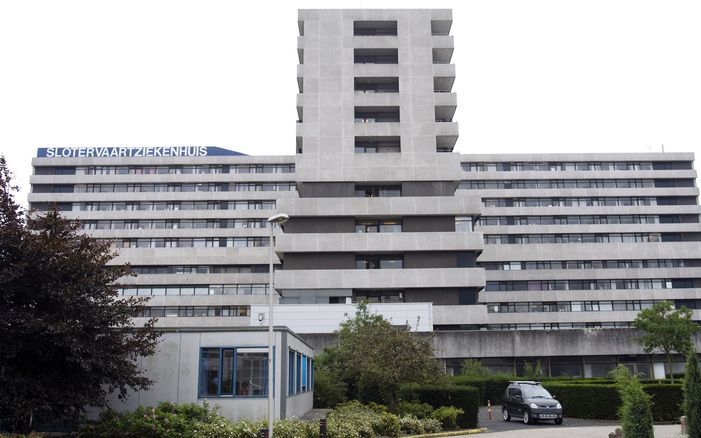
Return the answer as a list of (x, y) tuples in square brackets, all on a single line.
[(137, 151)]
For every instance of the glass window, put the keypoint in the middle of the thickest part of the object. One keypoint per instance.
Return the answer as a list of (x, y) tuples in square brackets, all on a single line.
[(209, 372), (251, 372)]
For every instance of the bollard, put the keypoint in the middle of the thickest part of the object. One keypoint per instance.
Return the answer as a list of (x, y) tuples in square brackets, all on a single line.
[(263, 433), (322, 428), (489, 410), (682, 420)]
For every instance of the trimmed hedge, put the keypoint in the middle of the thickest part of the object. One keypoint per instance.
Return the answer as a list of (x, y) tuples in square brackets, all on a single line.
[(601, 402), (462, 397), (490, 388)]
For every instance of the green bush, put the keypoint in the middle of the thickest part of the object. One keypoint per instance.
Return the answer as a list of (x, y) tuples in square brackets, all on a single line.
[(635, 411), (600, 401), (491, 388), (414, 408), (692, 394), (165, 420), (448, 416), (386, 424), (465, 398), (411, 425)]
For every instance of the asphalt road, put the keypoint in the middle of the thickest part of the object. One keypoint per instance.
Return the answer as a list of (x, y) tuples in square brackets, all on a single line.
[(570, 428)]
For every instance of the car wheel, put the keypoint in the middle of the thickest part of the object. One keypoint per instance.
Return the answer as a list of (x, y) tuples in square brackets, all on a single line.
[(505, 414), (558, 421), (526, 417)]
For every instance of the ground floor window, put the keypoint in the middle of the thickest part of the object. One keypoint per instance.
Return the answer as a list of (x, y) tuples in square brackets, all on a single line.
[(232, 371), (300, 368)]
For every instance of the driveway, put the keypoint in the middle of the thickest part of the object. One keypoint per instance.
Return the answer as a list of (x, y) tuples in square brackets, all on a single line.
[(570, 428)]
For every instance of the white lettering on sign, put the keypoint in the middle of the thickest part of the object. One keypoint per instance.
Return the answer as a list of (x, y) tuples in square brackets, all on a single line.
[(103, 152)]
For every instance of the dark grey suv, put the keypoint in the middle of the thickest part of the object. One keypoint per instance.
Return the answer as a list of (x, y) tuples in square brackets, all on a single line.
[(530, 402)]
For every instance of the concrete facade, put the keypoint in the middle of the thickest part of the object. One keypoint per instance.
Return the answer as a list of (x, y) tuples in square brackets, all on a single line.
[(382, 210)]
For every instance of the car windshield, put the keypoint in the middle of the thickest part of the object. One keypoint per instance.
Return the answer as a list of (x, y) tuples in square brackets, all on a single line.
[(535, 391)]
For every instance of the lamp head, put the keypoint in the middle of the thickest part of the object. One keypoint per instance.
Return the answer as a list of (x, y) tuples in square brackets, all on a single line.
[(279, 218)]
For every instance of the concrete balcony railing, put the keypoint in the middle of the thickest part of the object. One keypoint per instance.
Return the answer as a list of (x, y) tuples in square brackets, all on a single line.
[(399, 206), (430, 278), (378, 242)]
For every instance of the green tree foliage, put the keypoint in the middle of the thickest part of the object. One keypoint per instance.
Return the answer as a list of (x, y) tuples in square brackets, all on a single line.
[(666, 330), (635, 412), (533, 371), (329, 387), (376, 358), (692, 395), (474, 368), (67, 340)]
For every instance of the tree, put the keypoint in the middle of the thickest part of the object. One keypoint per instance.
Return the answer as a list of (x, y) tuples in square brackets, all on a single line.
[(67, 340), (692, 395), (329, 387), (474, 368), (377, 356), (635, 411), (666, 330)]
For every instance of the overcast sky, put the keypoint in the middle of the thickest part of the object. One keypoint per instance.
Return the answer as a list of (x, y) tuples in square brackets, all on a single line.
[(532, 75)]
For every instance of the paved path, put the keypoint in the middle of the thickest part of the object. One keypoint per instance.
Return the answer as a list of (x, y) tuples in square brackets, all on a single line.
[(576, 432), (570, 428)]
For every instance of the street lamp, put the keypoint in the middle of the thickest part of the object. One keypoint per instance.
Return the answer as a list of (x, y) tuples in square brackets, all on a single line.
[(278, 219)]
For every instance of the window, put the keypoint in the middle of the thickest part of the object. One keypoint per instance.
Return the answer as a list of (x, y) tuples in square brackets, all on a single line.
[(219, 374)]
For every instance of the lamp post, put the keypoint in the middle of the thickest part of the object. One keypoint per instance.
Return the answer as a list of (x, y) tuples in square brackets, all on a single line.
[(278, 219)]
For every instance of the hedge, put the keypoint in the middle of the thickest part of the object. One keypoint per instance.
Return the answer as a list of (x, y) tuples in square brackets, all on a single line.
[(599, 401), (490, 388), (462, 397)]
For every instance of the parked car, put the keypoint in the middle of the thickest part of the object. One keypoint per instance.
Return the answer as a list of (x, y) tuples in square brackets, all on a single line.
[(530, 402)]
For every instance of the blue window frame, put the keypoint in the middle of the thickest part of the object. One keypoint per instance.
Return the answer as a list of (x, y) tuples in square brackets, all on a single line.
[(300, 373), (233, 372)]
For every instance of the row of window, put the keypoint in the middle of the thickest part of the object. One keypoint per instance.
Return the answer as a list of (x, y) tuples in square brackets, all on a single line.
[(378, 226), (587, 264), (502, 239), (174, 224), (164, 170), (573, 184), (578, 165), (193, 242), (199, 269), (179, 187), (194, 311), (559, 326), (580, 220), (211, 289), (173, 205), (233, 372), (618, 284), (579, 201), (569, 306), (300, 373)]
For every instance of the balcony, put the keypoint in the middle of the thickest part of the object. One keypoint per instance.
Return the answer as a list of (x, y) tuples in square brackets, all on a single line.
[(441, 27), (376, 85), (376, 56), (374, 28), (371, 145), (432, 278), (376, 114), (445, 113)]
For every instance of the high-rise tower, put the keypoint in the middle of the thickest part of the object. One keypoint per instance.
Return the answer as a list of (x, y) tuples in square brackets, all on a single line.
[(375, 118)]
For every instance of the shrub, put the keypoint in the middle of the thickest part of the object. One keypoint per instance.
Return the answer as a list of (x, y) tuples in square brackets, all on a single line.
[(351, 420), (414, 408), (223, 428), (635, 411), (386, 424), (474, 368), (411, 425), (431, 425), (462, 397), (448, 416), (295, 429), (490, 388), (692, 395), (165, 420)]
